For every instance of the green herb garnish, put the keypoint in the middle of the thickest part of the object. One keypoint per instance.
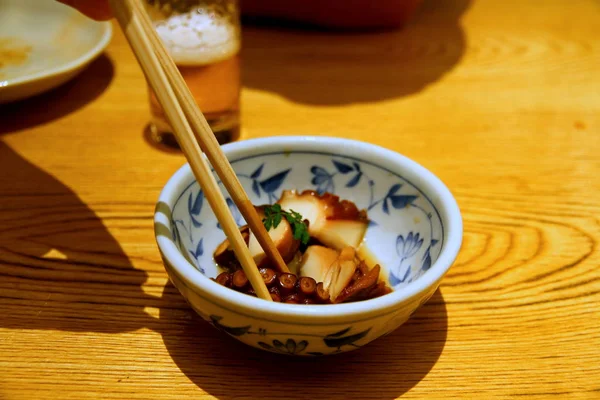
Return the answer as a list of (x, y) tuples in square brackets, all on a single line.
[(273, 216)]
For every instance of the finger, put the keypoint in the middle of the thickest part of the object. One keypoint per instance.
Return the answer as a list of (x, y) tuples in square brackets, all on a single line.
[(95, 9)]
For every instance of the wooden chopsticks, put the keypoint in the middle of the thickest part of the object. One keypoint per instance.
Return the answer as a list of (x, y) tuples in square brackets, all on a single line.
[(210, 145), (183, 114)]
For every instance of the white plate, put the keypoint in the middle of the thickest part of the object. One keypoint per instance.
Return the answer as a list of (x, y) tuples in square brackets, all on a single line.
[(43, 44)]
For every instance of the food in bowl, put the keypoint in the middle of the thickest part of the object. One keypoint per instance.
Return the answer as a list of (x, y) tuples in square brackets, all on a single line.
[(414, 232), (318, 237)]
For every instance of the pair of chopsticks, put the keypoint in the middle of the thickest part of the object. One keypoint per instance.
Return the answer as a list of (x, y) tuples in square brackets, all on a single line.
[(194, 136)]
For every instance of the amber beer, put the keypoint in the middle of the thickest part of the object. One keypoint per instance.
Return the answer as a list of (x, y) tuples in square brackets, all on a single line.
[(204, 41)]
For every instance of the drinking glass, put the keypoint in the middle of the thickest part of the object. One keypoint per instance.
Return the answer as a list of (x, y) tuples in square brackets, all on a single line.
[(203, 38)]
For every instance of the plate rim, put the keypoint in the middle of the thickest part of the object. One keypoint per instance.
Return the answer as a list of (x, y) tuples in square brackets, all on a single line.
[(73, 65)]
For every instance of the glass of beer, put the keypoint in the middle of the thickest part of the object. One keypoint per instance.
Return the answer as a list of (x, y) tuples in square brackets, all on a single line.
[(203, 38)]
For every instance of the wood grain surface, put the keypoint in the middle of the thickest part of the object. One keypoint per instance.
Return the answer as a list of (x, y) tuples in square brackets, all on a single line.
[(499, 98)]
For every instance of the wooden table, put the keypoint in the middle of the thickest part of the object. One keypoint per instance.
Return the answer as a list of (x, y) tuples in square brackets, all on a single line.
[(499, 98)]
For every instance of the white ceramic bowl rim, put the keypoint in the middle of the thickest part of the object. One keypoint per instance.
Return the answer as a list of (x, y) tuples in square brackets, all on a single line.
[(251, 306)]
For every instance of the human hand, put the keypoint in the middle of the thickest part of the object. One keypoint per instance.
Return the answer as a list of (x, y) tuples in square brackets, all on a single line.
[(95, 9)]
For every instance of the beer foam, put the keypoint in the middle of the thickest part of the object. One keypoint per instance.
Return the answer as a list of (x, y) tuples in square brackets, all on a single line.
[(199, 37)]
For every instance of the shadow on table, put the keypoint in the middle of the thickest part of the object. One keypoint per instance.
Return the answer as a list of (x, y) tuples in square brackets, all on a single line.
[(326, 68), (56, 103), (207, 357), (60, 267)]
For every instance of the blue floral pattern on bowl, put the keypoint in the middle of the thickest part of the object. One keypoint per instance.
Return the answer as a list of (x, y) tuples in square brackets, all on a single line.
[(414, 237), (289, 339), (405, 233), (334, 341)]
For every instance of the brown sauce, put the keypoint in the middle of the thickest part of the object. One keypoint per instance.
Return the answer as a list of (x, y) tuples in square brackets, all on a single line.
[(12, 53)]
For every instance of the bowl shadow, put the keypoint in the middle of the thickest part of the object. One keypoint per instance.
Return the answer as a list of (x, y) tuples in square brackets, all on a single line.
[(60, 101), (355, 67), (60, 267), (205, 356), (62, 270)]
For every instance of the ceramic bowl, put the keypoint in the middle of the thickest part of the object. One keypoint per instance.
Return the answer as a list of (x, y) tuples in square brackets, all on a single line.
[(44, 43), (415, 233)]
